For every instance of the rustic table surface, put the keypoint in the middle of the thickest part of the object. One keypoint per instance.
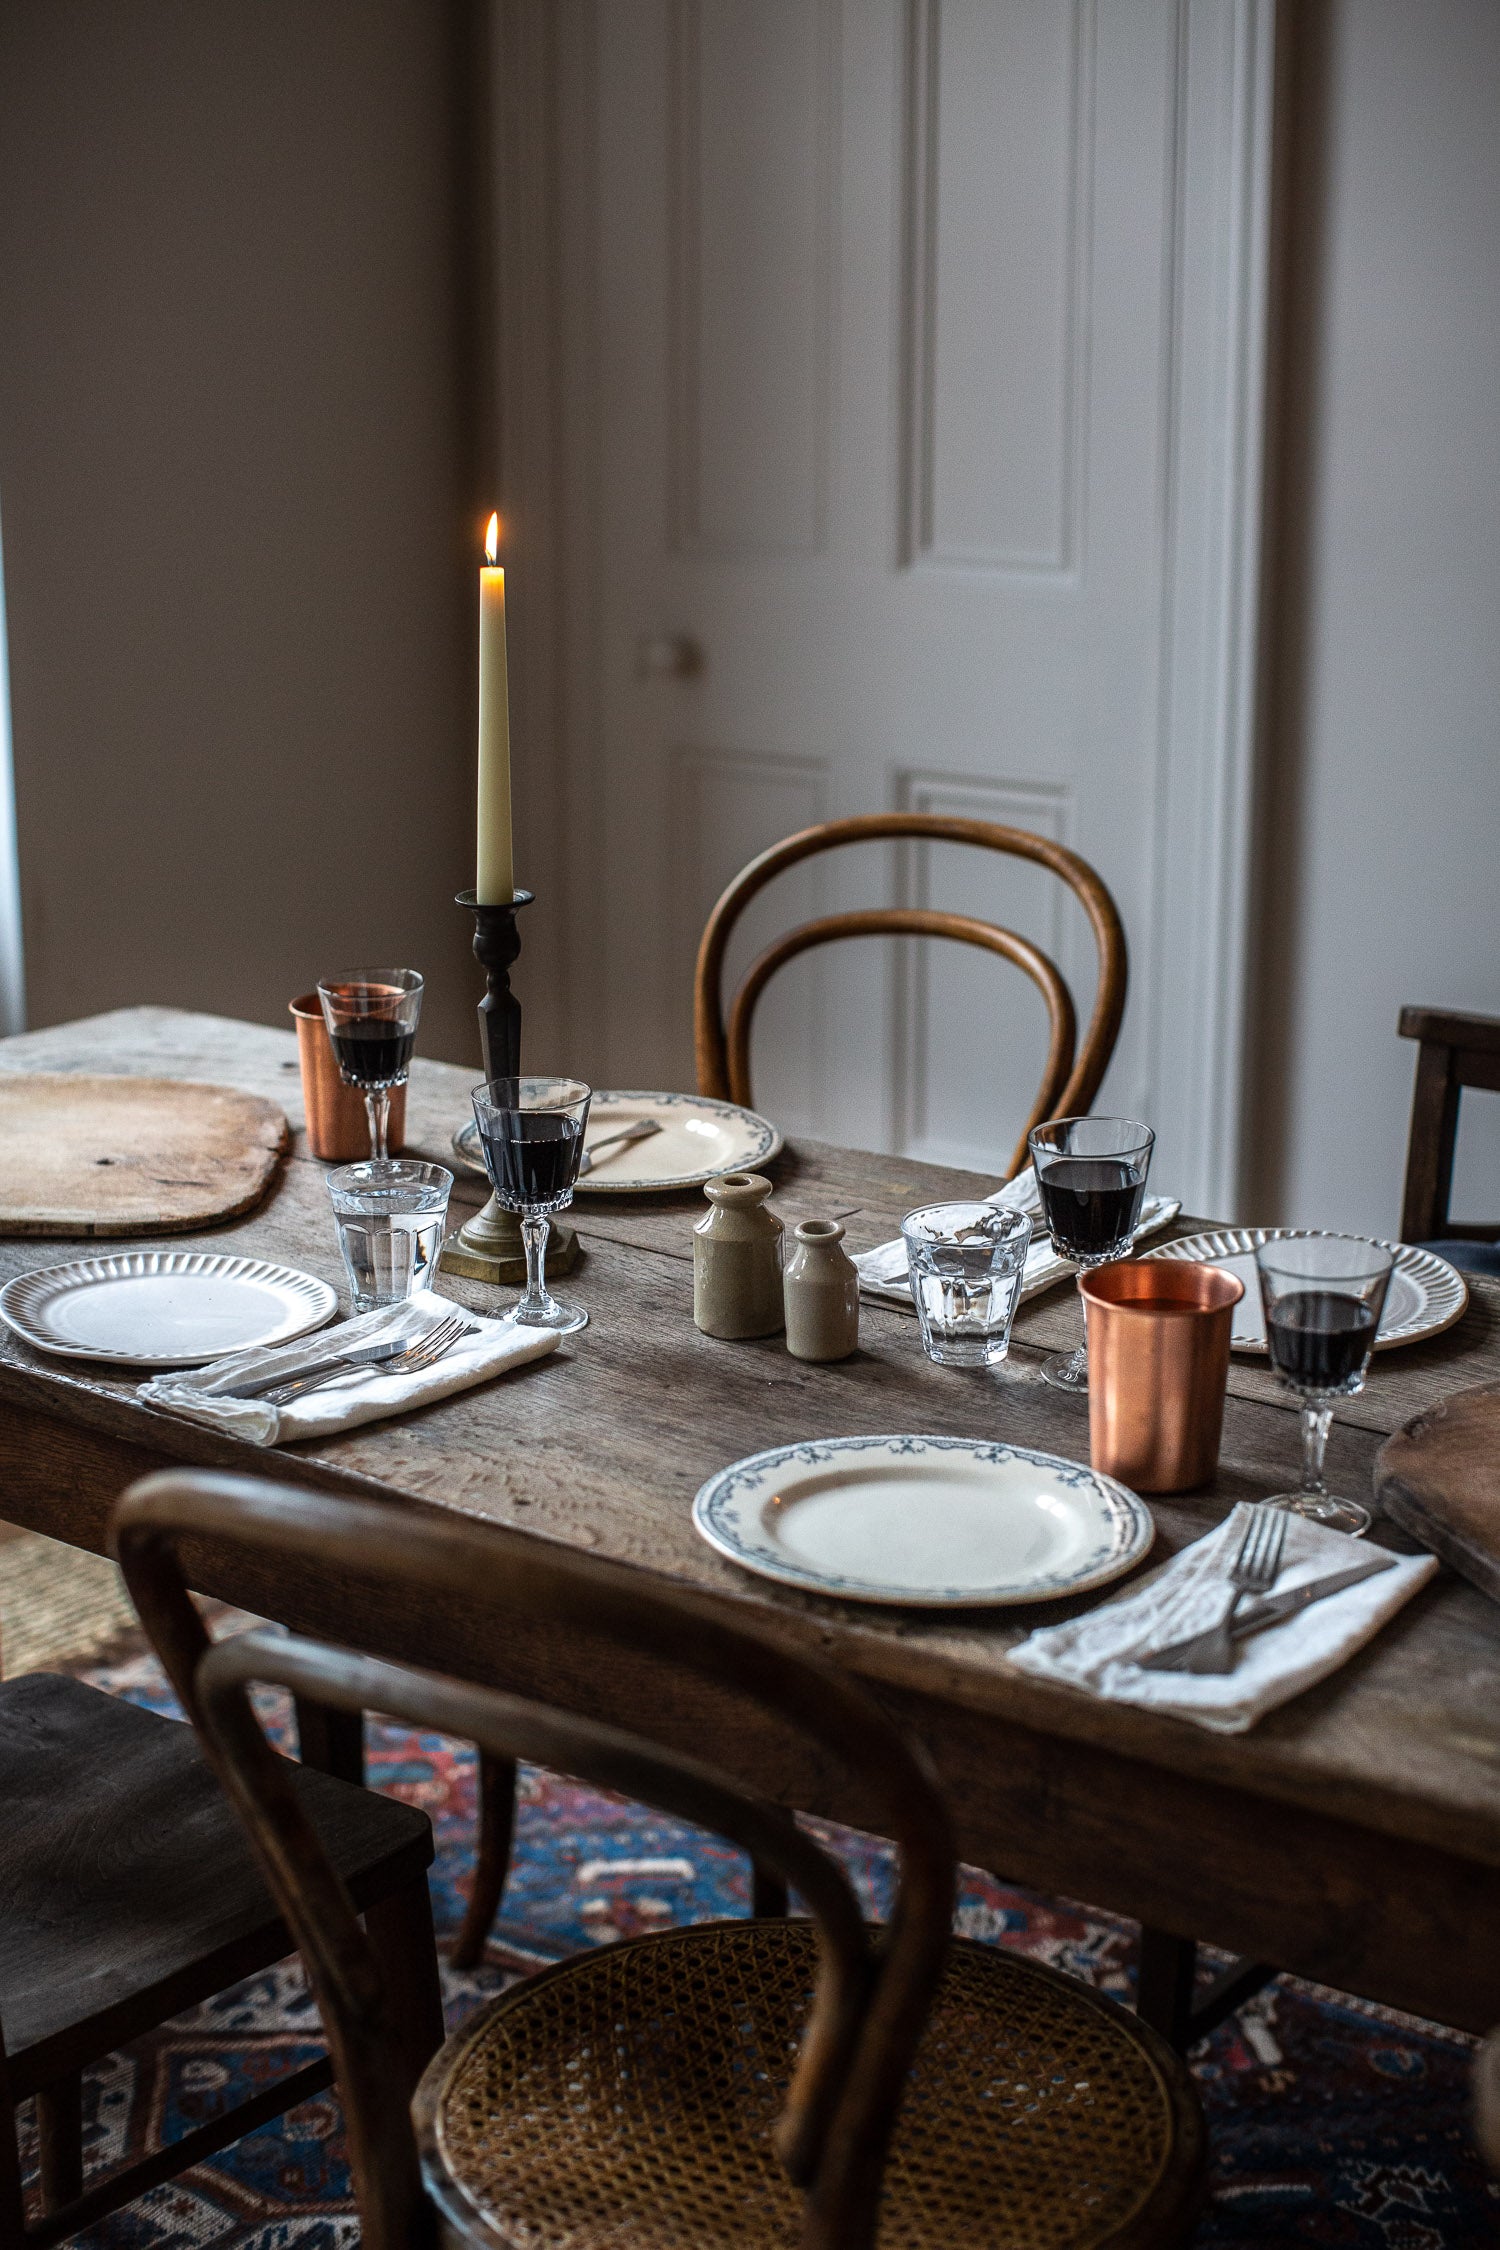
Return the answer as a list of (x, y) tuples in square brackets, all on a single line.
[(1353, 1836)]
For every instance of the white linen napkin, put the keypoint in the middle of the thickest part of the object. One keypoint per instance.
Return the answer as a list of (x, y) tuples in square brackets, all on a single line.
[(1096, 1652), (883, 1272), (363, 1396)]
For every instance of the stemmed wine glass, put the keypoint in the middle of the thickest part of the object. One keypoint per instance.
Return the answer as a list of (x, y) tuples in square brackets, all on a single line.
[(1323, 1296), (1091, 1173), (371, 1016), (531, 1132)]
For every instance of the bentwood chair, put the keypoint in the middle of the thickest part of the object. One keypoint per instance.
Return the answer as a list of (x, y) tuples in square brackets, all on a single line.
[(1453, 1051), (128, 1893), (1069, 1081), (760, 2082)]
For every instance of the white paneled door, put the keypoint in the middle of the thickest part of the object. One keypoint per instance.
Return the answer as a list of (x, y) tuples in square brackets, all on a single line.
[(920, 435)]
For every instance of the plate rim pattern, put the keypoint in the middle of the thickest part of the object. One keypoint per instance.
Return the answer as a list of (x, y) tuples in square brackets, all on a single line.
[(772, 1140), (1132, 1528), (1424, 1268), (19, 1299)]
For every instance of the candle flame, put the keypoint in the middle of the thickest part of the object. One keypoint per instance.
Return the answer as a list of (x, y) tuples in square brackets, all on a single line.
[(492, 538)]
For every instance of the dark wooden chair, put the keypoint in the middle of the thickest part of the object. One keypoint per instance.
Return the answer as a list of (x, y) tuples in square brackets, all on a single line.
[(1453, 1051), (1069, 1083), (760, 2081), (127, 1893)]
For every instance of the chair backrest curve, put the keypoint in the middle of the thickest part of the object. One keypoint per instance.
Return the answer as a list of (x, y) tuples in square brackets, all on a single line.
[(870, 2010), (721, 1037)]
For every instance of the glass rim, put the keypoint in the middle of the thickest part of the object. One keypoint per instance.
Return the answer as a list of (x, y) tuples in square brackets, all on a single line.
[(406, 981), (394, 1171), (1379, 1258), (558, 1100), (1145, 1135), (979, 1211)]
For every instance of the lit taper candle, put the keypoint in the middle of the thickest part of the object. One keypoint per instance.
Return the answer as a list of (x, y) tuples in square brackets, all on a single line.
[(495, 881)]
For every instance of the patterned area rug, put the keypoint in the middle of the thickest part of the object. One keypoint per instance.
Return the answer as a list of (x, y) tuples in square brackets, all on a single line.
[(1331, 2122)]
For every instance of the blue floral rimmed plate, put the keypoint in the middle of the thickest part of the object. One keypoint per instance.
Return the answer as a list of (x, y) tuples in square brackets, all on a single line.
[(923, 1522)]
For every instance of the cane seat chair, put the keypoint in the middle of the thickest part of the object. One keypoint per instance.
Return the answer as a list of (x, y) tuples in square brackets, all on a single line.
[(774, 2082), (1069, 1080)]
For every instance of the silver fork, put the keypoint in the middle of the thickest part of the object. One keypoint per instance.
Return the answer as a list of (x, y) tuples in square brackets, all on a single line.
[(428, 1348), (1254, 1571)]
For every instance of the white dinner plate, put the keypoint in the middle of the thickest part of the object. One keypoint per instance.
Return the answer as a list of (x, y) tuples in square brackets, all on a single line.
[(163, 1308), (1426, 1294), (699, 1139), (928, 1522)]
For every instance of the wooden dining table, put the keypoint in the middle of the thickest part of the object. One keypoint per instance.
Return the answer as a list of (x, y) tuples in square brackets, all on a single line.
[(1353, 1836)]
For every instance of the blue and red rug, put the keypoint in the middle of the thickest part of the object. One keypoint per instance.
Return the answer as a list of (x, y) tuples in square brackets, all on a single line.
[(1332, 2123)]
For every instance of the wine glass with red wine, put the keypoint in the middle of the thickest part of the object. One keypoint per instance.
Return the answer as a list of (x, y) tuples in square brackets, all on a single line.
[(531, 1132), (371, 1016), (1323, 1295), (1091, 1174)]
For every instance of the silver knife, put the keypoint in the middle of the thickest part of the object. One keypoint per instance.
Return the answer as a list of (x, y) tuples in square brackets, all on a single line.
[(641, 1130), (355, 1355), (1270, 1610)]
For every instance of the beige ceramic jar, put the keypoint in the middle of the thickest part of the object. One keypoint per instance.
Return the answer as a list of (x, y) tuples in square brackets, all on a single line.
[(821, 1290), (737, 1259)]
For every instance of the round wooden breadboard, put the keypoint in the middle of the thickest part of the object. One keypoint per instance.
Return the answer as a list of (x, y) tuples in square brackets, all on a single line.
[(104, 1156)]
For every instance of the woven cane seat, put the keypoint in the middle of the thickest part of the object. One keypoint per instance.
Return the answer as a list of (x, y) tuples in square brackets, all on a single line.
[(628, 2095)]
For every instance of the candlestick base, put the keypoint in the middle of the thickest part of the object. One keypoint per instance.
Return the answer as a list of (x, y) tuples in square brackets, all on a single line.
[(489, 1248)]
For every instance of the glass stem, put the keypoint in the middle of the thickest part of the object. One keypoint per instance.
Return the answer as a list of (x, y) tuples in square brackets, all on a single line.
[(534, 1231), (1078, 1361), (378, 1111), (1317, 1419)]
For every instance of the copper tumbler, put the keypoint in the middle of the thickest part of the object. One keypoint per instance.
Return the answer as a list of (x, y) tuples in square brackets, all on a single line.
[(1158, 1337), (338, 1125)]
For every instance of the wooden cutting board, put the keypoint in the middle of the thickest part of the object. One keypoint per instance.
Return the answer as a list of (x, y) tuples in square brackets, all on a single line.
[(130, 1155), (1439, 1478)]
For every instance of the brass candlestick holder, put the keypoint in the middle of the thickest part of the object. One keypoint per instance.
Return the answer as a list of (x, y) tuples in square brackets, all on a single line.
[(489, 1248)]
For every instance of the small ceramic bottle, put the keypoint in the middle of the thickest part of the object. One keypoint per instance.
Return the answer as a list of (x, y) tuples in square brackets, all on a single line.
[(822, 1294), (737, 1260)]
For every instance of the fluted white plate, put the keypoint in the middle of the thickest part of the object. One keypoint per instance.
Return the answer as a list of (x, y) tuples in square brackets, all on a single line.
[(163, 1308), (924, 1522), (1426, 1294)]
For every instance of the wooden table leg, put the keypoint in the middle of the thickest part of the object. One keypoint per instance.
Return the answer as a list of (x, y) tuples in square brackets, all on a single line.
[(332, 1741), (59, 2122), (1166, 1993)]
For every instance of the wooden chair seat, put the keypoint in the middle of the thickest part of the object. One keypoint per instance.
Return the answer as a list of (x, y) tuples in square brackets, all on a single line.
[(629, 2095), (129, 1892)]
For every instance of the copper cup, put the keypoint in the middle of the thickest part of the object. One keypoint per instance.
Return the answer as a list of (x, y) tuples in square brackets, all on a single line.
[(338, 1125), (1158, 1337)]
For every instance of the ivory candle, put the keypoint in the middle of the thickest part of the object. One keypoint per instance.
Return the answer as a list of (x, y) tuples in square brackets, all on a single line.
[(494, 881)]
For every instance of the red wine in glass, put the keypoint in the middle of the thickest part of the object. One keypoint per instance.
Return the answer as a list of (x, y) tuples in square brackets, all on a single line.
[(371, 1016), (1091, 1205), (531, 1131), (1322, 1295), (532, 1156), (1320, 1340), (373, 1050)]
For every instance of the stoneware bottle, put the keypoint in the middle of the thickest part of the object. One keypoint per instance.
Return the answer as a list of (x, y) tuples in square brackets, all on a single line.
[(821, 1291), (737, 1259)]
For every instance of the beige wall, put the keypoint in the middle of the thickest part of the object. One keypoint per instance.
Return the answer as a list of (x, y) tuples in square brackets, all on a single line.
[(230, 483), (1383, 875)]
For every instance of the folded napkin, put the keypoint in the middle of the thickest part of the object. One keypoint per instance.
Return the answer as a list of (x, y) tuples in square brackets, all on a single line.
[(365, 1395), (883, 1272), (1096, 1652)]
